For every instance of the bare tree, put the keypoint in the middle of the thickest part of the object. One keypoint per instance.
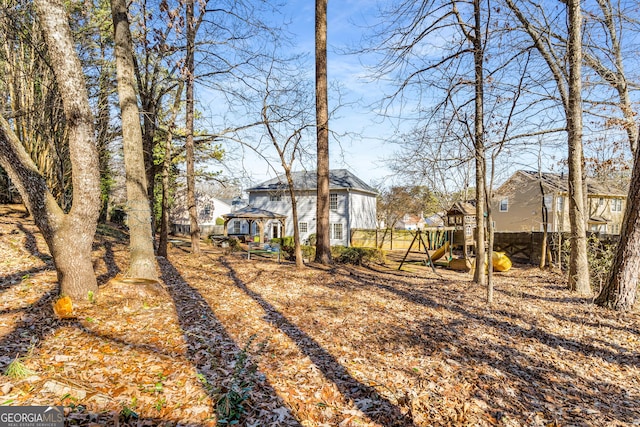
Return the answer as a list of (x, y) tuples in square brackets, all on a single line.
[(69, 236), (323, 244), (166, 170), (189, 145), (287, 117), (578, 261), (569, 88), (35, 105), (142, 263)]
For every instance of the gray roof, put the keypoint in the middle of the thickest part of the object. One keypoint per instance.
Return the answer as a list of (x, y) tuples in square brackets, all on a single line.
[(339, 179), (560, 182), (249, 212)]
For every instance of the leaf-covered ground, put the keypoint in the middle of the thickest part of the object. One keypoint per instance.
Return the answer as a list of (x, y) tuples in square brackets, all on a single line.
[(270, 345)]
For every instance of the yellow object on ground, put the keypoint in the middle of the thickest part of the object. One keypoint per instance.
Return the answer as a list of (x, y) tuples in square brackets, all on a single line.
[(460, 264), (64, 308), (440, 252), (501, 261)]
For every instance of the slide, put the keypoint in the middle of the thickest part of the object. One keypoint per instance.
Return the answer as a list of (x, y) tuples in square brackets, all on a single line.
[(440, 252)]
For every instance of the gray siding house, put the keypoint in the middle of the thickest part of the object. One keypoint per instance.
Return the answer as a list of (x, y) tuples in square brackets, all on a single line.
[(352, 204)]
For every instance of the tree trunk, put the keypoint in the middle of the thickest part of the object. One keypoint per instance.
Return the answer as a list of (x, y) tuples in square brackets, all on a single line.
[(166, 169), (189, 145), (619, 293), (294, 213), (578, 263), (70, 236), (142, 262), (545, 222), (323, 244), (480, 155)]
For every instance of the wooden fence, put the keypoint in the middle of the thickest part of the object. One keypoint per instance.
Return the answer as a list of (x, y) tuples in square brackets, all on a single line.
[(519, 246), (390, 239)]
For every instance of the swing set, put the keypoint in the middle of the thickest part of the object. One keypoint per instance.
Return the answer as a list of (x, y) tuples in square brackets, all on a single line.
[(439, 239)]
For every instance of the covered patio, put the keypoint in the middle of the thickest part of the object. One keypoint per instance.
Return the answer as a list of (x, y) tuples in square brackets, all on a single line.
[(254, 215)]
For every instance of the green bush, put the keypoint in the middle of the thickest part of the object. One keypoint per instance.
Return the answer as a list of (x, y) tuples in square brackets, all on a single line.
[(312, 239), (219, 221), (308, 252), (356, 256), (287, 246), (234, 244)]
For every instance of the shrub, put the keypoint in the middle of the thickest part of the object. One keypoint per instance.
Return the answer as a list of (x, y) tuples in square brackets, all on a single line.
[(234, 244), (308, 252), (356, 256), (600, 257), (312, 239)]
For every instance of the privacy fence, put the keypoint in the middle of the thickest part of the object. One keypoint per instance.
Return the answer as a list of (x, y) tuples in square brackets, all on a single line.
[(523, 247)]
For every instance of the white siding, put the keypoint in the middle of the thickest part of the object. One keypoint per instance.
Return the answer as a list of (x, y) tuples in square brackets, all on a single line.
[(363, 211), (354, 210)]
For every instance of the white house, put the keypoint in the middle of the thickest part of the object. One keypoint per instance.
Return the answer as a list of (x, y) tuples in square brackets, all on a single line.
[(411, 222), (209, 208), (352, 205)]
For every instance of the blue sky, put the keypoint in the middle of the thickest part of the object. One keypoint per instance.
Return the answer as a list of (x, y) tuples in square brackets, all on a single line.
[(370, 140), (366, 146)]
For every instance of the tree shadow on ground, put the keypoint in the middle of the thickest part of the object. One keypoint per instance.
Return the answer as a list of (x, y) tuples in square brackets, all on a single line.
[(38, 321), (109, 262), (581, 321), (31, 245), (211, 350), (537, 386), (383, 411)]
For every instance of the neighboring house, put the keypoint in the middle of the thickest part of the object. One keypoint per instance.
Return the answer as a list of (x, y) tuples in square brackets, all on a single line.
[(209, 209), (517, 204), (411, 222), (436, 220), (352, 205)]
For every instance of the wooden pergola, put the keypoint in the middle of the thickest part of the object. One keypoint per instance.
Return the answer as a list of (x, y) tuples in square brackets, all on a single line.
[(257, 216)]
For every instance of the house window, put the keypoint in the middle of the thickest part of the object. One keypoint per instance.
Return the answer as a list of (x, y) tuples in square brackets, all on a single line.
[(236, 227), (504, 205), (468, 230), (615, 229), (616, 205), (560, 204), (303, 227), (336, 231), (207, 210), (275, 197), (333, 201), (600, 201)]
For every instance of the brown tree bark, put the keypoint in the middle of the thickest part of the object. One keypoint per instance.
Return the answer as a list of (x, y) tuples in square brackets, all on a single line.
[(166, 166), (578, 261), (142, 262), (569, 90), (619, 293), (189, 144), (323, 243), (69, 236)]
